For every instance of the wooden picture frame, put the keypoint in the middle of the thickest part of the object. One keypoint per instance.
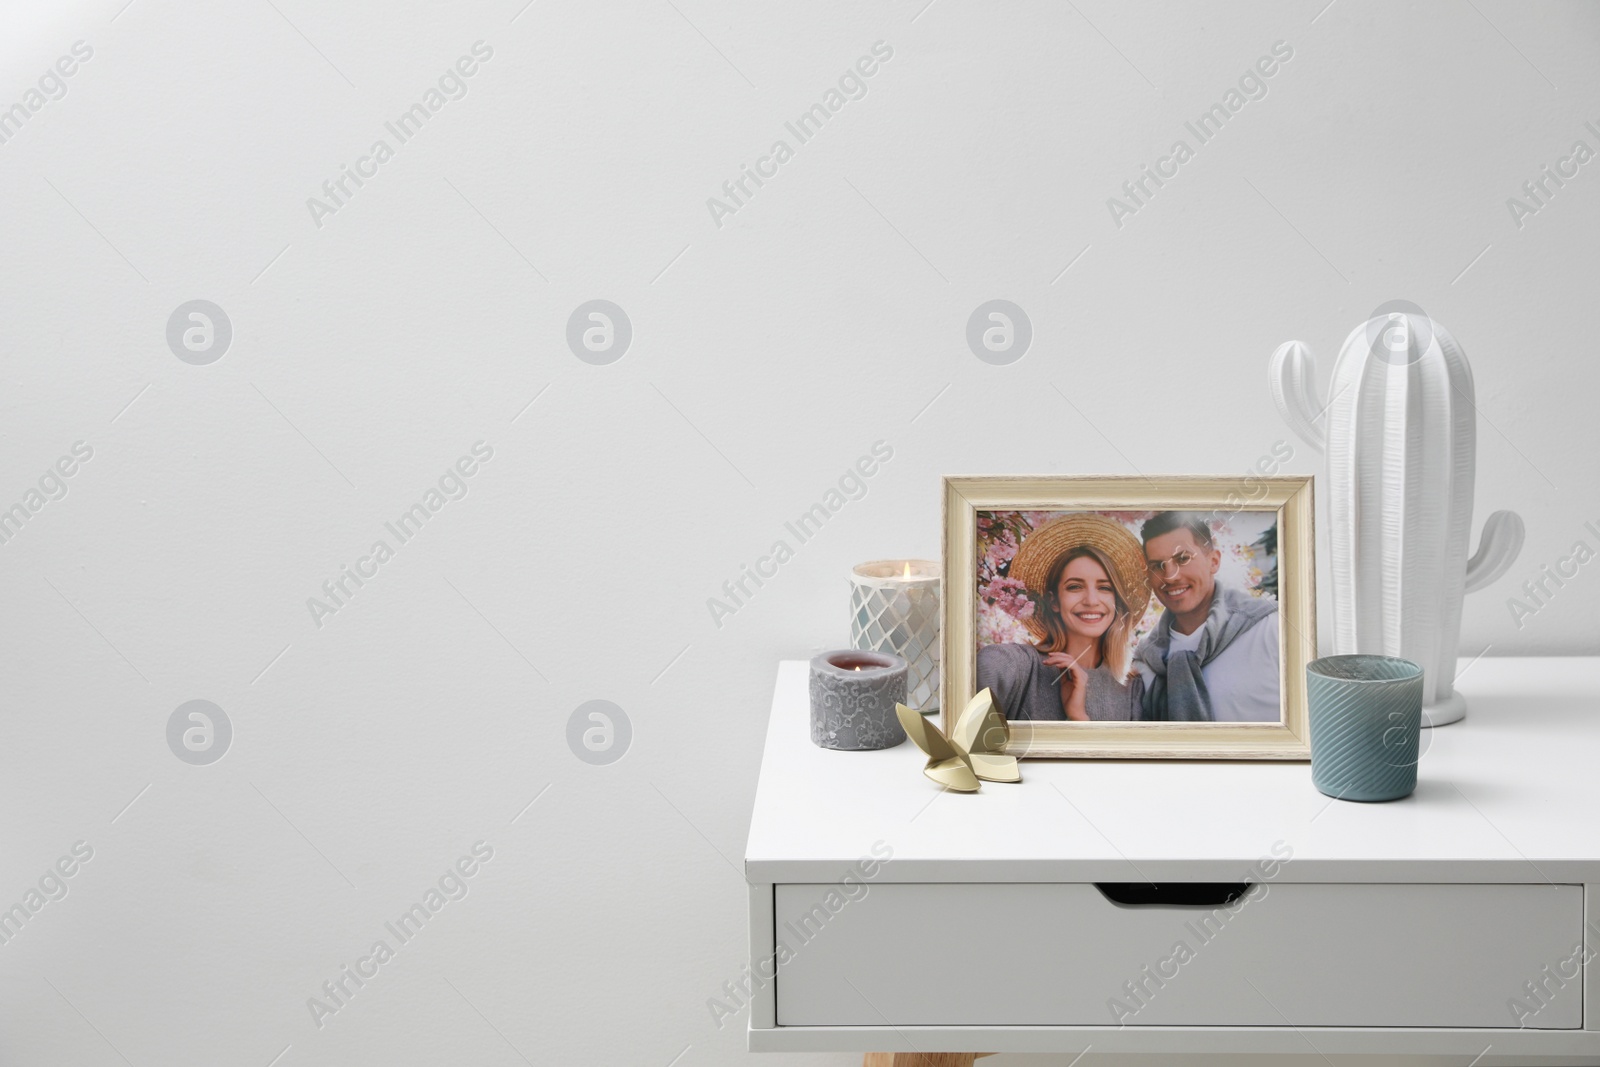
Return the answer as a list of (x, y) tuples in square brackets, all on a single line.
[(1218, 498)]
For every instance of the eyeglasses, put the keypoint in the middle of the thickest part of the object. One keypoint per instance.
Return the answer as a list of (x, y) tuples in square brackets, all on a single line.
[(1179, 559)]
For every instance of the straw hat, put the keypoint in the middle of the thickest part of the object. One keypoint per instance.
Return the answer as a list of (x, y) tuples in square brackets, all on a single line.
[(1040, 549)]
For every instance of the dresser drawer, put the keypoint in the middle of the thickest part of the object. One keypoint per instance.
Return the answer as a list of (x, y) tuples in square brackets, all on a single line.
[(1306, 954)]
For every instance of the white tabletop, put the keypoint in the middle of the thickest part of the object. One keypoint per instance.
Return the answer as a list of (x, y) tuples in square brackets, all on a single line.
[(1515, 786)]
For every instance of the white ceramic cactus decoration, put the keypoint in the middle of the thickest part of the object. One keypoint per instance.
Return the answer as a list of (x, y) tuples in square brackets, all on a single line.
[(1399, 430)]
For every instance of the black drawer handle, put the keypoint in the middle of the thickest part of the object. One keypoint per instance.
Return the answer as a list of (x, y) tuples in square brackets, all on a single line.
[(1181, 894)]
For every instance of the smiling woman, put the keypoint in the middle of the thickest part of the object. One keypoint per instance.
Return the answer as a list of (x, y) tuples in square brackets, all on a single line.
[(1084, 589)]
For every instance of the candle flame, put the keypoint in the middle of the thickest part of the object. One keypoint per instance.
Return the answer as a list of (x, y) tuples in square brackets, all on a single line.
[(907, 573)]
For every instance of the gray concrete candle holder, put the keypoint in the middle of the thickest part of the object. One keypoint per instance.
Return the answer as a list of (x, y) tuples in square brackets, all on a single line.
[(853, 694)]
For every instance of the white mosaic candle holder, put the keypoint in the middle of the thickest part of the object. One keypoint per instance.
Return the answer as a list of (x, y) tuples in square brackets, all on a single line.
[(894, 608)]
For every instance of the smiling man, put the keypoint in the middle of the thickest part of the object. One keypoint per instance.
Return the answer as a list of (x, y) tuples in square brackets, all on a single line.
[(1213, 657)]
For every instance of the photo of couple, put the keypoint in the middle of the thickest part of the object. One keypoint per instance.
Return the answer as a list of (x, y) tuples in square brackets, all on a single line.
[(1129, 616)]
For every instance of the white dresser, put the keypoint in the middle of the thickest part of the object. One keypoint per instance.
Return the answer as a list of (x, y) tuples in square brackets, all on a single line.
[(1162, 907)]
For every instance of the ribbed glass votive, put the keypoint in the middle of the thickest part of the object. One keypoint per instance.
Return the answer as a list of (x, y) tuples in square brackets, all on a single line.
[(894, 607), (1366, 719)]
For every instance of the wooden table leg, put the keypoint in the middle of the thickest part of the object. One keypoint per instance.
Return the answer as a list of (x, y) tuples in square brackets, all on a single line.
[(922, 1059)]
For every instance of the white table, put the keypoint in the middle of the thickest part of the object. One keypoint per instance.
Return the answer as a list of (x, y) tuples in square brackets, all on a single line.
[(1403, 928)]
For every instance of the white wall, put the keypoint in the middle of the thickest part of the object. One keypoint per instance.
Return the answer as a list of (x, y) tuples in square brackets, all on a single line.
[(768, 353)]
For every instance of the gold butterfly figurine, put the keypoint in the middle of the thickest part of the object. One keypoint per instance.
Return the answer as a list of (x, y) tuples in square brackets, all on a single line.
[(973, 750)]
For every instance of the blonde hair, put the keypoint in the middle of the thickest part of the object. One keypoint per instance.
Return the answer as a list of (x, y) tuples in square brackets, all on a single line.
[(1051, 628)]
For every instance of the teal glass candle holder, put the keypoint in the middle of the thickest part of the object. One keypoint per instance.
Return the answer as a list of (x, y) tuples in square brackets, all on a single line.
[(1366, 722)]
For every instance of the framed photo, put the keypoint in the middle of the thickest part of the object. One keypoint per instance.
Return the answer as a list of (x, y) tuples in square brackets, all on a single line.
[(1132, 617)]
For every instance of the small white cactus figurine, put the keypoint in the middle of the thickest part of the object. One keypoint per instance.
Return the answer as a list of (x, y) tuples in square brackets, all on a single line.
[(1399, 431)]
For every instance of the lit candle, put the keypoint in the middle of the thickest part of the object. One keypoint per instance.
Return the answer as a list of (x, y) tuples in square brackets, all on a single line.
[(853, 694), (894, 607)]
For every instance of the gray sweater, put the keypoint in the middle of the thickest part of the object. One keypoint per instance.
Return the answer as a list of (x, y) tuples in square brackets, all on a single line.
[(1024, 688)]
